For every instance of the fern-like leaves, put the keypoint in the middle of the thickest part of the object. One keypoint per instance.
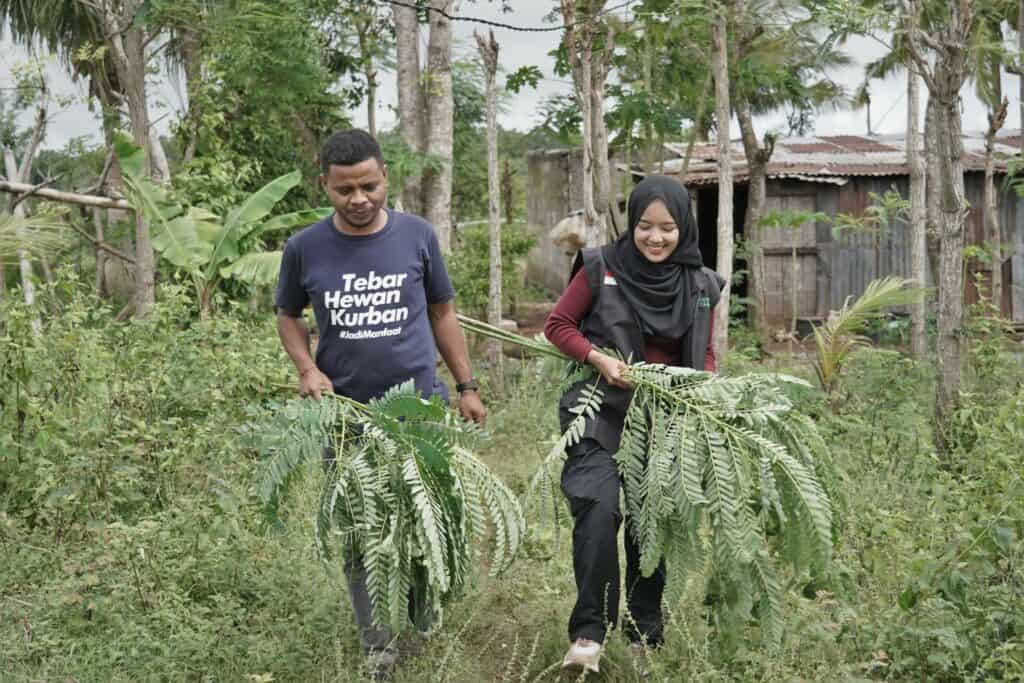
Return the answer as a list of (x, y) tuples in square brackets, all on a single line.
[(406, 496), (723, 465)]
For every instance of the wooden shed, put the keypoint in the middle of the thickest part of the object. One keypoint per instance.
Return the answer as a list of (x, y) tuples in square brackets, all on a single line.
[(832, 175)]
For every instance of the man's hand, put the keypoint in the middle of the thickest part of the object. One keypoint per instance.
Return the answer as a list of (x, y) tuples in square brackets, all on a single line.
[(472, 408), (612, 369), (313, 383)]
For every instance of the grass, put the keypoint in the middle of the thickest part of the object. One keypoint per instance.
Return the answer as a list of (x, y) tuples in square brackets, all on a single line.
[(197, 587)]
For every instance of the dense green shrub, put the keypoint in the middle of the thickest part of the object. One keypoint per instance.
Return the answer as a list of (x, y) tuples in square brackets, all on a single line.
[(469, 264)]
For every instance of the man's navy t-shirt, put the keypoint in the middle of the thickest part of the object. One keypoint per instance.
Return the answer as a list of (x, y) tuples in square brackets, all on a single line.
[(370, 295)]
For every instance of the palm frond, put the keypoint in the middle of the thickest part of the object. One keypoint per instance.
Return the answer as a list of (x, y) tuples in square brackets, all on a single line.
[(842, 332), (39, 235)]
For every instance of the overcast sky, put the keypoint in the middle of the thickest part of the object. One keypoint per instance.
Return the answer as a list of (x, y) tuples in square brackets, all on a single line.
[(517, 49)]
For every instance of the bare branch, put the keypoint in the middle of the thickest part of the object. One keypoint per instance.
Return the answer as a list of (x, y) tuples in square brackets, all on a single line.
[(97, 201), (107, 165), (37, 134), (923, 67), (103, 245)]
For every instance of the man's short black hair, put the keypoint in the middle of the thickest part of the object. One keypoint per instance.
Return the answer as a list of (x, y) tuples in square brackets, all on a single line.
[(348, 148)]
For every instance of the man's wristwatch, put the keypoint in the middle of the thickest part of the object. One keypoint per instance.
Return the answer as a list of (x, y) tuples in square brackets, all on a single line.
[(469, 385)]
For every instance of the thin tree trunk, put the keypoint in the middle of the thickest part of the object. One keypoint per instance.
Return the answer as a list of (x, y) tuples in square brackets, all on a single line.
[(191, 54), (648, 65), (28, 287), (794, 290), (757, 194), (604, 195), (932, 188), (993, 231), (22, 173), (918, 211), (723, 113), (695, 132), (437, 184), (101, 256), (410, 100), (507, 191), (370, 74), (371, 99), (489, 57), (952, 217), (47, 273)]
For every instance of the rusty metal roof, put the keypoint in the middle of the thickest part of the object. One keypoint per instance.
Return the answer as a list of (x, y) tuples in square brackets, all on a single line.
[(833, 156)]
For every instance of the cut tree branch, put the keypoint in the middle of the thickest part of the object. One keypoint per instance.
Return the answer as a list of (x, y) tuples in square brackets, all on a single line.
[(35, 188), (97, 201)]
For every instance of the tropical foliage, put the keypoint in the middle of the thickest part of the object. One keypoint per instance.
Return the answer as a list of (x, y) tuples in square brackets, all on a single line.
[(205, 246), (44, 233), (842, 333)]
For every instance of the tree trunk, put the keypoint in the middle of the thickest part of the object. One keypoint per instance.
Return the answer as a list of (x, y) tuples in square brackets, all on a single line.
[(28, 287), (604, 193), (945, 76), (692, 139), (101, 256), (437, 184), (22, 173), (371, 98), (129, 57), (757, 163), (410, 100), (507, 191), (932, 187), (993, 231), (723, 114), (370, 74), (953, 212), (918, 212), (648, 65), (794, 289), (489, 57), (192, 56)]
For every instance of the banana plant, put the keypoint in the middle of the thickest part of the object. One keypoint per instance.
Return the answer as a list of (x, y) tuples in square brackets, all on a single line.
[(208, 247)]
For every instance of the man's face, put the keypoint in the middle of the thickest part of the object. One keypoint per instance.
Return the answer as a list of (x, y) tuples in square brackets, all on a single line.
[(357, 192)]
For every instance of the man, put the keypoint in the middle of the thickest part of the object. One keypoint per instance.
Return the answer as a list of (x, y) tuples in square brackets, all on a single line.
[(384, 306)]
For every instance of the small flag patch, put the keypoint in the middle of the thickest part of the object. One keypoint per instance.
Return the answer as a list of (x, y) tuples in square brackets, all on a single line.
[(609, 279)]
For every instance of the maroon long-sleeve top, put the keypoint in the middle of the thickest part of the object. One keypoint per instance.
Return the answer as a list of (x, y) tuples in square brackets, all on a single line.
[(563, 330)]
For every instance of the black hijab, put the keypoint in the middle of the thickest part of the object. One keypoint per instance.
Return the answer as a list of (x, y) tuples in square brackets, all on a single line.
[(661, 294)]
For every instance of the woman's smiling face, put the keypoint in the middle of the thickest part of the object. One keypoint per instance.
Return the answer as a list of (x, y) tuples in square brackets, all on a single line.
[(656, 234)]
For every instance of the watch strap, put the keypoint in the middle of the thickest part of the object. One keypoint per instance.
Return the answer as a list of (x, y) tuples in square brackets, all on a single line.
[(469, 385)]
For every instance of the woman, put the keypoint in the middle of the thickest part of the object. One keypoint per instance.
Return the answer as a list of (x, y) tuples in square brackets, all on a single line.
[(648, 297)]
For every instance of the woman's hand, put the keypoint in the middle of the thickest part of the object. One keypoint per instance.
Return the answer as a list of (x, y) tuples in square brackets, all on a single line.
[(612, 369)]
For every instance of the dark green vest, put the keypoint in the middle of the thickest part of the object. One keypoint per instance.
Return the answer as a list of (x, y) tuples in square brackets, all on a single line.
[(612, 324)]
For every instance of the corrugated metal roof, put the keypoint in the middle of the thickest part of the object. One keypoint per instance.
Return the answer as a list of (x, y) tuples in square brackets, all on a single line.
[(833, 156)]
